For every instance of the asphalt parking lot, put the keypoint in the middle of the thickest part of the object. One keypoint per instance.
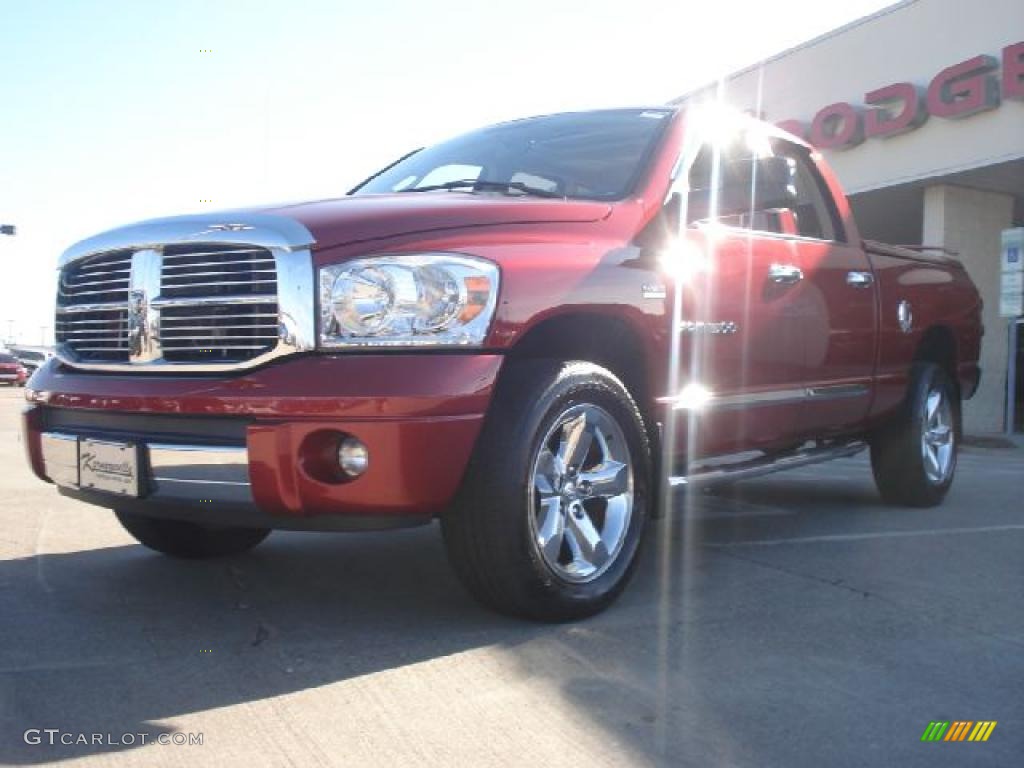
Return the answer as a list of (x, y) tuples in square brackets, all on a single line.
[(787, 621)]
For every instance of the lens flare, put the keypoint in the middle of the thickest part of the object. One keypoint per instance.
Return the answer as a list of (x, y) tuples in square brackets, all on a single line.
[(693, 397), (684, 260)]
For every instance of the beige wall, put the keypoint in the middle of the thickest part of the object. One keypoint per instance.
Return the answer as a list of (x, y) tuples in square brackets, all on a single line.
[(911, 42), (970, 222)]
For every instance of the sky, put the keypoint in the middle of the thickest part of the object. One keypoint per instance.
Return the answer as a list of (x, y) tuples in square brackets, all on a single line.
[(113, 112)]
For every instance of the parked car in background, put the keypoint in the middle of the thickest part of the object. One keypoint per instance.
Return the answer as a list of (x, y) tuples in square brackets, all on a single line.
[(30, 358), (12, 372), (508, 331)]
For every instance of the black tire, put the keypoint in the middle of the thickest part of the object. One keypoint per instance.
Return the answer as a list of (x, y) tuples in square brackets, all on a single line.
[(490, 531), (903, 473), (192, 541)]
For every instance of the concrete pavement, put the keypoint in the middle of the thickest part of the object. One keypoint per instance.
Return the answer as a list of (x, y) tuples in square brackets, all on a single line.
[(787, 621)]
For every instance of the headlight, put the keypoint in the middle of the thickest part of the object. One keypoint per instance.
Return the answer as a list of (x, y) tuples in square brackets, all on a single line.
[(422, 299)]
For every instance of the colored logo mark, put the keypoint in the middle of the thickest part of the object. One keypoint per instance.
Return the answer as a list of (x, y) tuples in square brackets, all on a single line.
[(958, 730)]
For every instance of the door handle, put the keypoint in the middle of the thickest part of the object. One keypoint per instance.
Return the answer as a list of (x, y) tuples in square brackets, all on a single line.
[(860, 279), (785, 274)]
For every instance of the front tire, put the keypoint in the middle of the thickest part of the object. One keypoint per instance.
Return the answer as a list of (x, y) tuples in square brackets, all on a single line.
[(192, 541), (914, 458), (551, 513)]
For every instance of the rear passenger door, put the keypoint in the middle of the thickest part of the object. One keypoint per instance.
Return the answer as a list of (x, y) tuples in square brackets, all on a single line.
[(837, 300)]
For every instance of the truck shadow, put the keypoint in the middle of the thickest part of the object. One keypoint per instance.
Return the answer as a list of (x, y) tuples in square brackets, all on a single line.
[(123, 641)]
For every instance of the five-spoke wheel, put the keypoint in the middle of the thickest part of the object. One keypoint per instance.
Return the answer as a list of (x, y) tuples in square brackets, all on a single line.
[(552, 510), (937, 437), (583, 483), (914, 456)]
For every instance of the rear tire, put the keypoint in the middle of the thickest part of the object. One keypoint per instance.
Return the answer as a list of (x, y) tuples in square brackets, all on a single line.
[(550, 515), (180, 538), (914, 458)]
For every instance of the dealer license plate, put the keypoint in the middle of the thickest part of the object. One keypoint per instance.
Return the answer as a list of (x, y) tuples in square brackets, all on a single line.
[(108, 467)]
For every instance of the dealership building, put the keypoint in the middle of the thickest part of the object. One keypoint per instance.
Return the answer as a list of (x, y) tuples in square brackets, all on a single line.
[(919, 108)]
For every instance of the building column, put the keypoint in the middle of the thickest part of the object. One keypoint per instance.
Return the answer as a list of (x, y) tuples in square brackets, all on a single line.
[(970, 221)]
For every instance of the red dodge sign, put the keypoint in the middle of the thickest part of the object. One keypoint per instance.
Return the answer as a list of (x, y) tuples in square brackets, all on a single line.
[(961, 90)]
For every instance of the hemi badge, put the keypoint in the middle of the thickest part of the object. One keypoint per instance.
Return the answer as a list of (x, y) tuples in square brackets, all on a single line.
[(723, 327), (230, 227)]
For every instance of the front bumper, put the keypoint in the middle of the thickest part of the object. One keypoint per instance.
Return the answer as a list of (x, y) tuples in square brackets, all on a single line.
[(188, 473), (250, 448)]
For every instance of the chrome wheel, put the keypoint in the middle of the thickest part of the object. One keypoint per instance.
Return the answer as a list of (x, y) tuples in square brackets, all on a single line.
[(938, 436), (582, 488)]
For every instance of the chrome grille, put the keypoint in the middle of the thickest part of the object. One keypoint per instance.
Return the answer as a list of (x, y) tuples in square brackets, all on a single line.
[(217, 303), (188, 294), (211, 331), (213, 270), (95, 280), (95, 335), (85, 320), (217, 333)]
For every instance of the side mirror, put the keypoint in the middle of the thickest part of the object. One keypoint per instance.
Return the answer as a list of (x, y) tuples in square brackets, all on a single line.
[(672, 211)]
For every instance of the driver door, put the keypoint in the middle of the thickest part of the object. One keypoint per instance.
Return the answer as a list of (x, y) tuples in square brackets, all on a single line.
[(741, 338)]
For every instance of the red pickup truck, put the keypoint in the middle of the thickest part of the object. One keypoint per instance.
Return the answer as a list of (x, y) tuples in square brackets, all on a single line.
[(532, 332)]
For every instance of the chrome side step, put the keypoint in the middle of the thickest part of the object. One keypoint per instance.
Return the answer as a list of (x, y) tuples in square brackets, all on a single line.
[(743, 470)]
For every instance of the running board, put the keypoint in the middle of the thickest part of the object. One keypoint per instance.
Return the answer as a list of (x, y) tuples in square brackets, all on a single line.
[(744, 470)]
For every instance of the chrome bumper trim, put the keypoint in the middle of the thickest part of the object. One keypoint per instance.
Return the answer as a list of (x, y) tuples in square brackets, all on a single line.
[(815, 394), (170, 472), (60, 458)]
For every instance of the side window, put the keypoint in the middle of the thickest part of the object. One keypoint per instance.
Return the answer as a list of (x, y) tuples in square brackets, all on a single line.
[(742, 185), (813, 207), (761, 186)]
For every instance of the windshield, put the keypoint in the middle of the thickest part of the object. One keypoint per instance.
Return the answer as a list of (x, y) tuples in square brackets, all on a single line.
[(584, 155)]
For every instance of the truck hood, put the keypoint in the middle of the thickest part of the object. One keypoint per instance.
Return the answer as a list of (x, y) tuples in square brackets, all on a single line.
[(348, 220), (345, 220)]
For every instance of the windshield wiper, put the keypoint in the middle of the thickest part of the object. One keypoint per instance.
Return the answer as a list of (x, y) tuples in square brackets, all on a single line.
[(475, 184)]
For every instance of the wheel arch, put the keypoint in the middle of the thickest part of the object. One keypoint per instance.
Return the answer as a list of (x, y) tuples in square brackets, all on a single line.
[(612, 341), (938, 345)]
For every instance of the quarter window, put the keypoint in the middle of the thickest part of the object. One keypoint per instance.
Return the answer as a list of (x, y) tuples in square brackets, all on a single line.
[(813, 207)]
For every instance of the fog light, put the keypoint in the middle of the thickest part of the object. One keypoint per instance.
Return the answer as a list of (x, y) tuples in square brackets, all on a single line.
[(353, 458), (36, 395)]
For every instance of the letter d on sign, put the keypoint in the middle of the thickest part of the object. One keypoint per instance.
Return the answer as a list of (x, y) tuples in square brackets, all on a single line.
[(837, 126)]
